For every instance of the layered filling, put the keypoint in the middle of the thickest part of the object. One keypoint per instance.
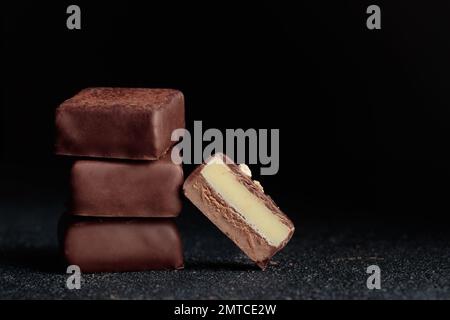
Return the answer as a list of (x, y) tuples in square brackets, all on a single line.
[(251, 208)]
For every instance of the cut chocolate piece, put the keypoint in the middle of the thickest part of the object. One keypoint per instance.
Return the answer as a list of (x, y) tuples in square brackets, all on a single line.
[(238, 206), (126, 188), (114, 245), (124, 123)]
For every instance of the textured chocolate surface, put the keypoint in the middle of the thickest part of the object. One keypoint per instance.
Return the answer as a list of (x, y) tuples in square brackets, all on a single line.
[(230, 222), (109, 245), (126, 188), (123, 123)]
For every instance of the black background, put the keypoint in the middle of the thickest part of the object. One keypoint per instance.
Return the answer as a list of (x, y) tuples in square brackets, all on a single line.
[(363, 115)]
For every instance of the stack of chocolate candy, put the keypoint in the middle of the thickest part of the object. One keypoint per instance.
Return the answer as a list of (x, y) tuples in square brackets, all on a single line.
[(125, 188)]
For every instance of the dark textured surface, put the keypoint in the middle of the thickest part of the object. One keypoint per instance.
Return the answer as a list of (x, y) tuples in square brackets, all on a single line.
[(327, 258)]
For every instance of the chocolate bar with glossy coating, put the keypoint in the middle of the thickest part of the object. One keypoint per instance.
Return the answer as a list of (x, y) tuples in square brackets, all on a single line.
[(120, 123), (238, 206), (126, 188), (115, 245)]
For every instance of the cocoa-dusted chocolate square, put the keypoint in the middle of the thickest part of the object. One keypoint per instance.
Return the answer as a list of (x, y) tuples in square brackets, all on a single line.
[(126, 188), (122, 123)]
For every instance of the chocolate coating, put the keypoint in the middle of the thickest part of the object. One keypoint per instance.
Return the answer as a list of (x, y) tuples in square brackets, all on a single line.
[(126, 188), (122, 123), (114, 245)]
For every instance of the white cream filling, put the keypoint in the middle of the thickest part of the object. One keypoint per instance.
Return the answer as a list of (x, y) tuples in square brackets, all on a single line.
[(260, 218)]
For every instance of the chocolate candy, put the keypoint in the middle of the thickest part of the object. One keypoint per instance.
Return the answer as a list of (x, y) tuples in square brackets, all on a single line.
[(122, 123), (238, 206), (126, 188), (113, 245)]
